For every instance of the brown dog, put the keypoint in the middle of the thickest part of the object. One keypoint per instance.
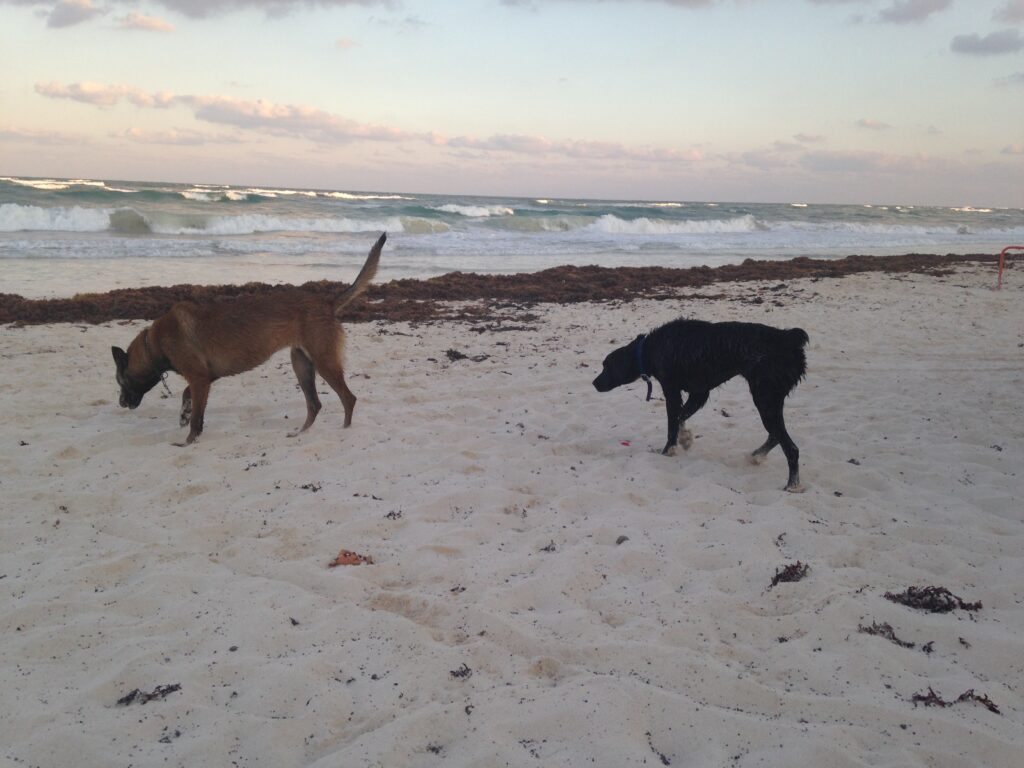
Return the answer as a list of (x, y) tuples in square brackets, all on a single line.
[(203, 343)]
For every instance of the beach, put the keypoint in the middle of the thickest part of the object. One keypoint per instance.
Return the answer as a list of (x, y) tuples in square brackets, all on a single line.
[(546, 588)]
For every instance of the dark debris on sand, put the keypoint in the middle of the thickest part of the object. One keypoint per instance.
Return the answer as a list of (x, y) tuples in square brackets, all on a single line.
[(141, 697), (931, 599), (792, 572), (932, 699), (419, 300), (884, 630)]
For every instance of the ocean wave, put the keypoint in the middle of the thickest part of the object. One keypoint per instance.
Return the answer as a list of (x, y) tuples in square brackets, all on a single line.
[(249, 224), (59, 185), (24, 218), (475, 211), (353, 196), (613, 225), (127, 221), (226, 195)]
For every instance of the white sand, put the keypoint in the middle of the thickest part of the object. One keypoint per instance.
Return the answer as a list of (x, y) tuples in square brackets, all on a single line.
[(128, 563)]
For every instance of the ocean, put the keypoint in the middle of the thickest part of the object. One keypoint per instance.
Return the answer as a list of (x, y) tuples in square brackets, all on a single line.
[(59, 237)]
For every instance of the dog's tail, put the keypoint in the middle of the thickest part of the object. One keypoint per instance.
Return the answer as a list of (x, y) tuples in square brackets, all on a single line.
[(364, 277), (798, 360), (798, 336)]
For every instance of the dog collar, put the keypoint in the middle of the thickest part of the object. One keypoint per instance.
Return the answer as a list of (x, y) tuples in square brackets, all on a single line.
[(640, 363)]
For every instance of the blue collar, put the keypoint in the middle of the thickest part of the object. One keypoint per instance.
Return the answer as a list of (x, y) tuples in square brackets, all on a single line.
[(640, 363)]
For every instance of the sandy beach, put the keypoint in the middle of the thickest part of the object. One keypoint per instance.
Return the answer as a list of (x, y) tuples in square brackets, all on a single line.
[(546, 589)]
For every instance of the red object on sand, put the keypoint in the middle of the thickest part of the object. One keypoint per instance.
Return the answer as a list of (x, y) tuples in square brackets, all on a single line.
[(1002, 257), (348, 557), (625, 443)]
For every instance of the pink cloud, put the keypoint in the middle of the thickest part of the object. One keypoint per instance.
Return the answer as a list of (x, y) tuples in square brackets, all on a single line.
[(873, 125), (303, 122), (100, 95), (12, 133), (176, 137), (136, 21)]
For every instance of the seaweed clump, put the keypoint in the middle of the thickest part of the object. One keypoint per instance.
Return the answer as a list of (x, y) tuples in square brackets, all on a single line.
[(792, 572), (931, 599)]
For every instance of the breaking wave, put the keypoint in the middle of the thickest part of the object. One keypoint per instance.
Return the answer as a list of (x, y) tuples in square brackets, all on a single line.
[(611, 224), (128, 221), (475, 211)]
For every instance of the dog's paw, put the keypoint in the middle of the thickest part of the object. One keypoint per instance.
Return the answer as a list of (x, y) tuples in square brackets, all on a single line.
[(686, 439), (795, 488), (756, 458), (670, 450)]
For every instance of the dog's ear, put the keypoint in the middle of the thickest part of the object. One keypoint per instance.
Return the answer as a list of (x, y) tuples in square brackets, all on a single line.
[(120, 357)]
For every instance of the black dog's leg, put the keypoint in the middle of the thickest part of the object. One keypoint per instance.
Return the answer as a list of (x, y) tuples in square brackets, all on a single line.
[(762, 453), (674, 407), (186, 407), (771, 417), (694, 403)]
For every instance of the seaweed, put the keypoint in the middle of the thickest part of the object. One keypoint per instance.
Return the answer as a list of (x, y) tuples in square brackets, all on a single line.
[(932, 699), (140, 697), (792, 572), (931, 599), (462, 673), (884, 630)]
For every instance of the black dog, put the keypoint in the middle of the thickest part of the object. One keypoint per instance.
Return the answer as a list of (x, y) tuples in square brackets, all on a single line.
[(696, 356)]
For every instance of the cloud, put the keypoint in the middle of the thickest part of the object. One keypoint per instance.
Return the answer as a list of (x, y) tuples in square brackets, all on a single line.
[(290, 120), (767, 159), (533, 4), (1012, 12), (1017, 78), (992, 44), (580, 150), (311, 124), (346, 44), (11, 133), (1013, 149), (873, 125), (67, 13), (912, 11), (177, 137), (809, 138), (100, 95), (198, 9), (137, 21), (871, 162)]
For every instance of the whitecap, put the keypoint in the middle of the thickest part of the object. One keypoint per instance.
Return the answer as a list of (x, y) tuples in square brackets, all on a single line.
[(475, 211)]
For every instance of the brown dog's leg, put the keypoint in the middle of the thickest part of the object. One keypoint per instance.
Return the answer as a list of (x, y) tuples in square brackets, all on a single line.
[(335, 376), (200, 390), (186, 407), (305, 372)]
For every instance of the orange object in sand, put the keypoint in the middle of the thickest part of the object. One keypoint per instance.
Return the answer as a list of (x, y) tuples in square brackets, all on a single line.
[(348, 557)]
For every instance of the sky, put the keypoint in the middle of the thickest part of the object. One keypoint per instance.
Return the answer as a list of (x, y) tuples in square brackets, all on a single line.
[(819, 101)]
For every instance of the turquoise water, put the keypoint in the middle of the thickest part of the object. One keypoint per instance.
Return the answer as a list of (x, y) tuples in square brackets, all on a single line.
[(60, 236)]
